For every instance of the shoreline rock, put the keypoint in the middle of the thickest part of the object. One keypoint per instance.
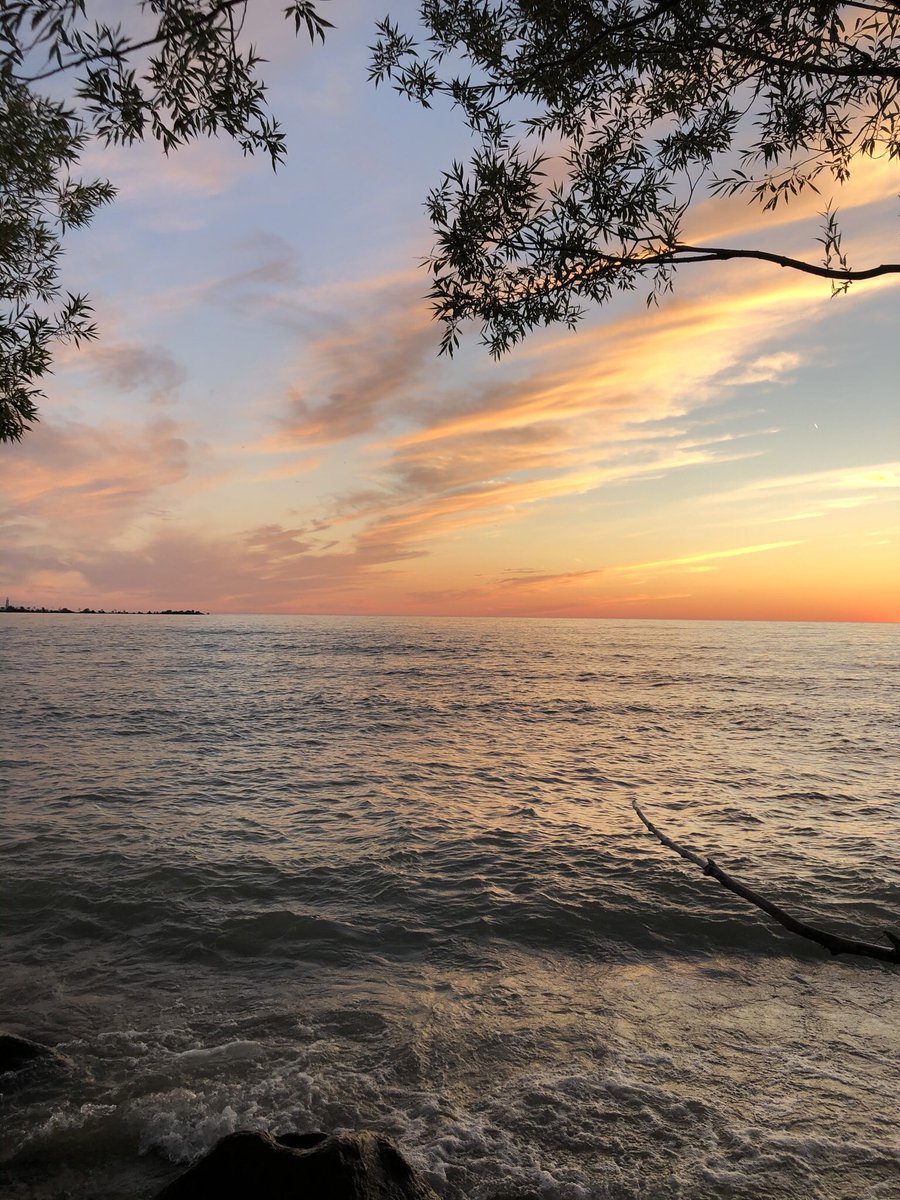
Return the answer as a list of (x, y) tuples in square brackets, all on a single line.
[(310, 1166), (17, 1054)]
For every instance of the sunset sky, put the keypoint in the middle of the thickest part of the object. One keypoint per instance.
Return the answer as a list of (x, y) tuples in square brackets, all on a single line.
[(264, 426)]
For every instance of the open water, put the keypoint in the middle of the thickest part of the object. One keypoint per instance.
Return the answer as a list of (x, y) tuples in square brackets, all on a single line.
[(318, 873)]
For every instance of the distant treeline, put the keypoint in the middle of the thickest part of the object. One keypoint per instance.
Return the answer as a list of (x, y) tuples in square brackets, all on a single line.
[(107, 612)]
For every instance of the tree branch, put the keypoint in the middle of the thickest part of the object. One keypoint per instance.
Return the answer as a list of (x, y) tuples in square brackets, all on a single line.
[(722, 253), (830, 941), (868, 69), (680, 255), (124, 52)]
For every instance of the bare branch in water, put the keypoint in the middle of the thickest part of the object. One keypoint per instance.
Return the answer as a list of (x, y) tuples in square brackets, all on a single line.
[(830, 941)]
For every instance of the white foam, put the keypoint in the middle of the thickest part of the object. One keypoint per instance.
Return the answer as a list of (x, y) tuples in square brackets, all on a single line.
[(230, 1051), (182, 1125)]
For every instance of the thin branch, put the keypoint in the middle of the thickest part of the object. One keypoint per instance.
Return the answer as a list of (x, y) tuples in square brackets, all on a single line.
[(722, 253), (681, 254), (876, 8), (868, 69), (830, 941), (126, 51)]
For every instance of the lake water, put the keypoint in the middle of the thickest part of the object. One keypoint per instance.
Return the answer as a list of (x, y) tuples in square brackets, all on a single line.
[(318, 873)]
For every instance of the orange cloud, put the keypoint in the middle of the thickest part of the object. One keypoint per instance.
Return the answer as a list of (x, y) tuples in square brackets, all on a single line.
[(718, 219), (430, 465), (812, 495), (702, 559), (78, 477)]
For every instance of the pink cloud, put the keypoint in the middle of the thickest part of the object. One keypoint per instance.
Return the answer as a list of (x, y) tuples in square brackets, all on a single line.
[(89, 480)]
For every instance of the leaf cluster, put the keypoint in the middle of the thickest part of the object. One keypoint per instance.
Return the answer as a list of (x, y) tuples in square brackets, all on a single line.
[(180, 70), (598, 122)]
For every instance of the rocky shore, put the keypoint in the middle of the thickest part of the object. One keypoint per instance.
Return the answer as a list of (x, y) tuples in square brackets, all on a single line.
[(343, 1166), (254, 1165)]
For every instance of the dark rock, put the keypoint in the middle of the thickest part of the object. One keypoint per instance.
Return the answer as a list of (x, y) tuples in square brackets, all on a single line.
[(310, 1166), (19, 1052), (24, 1062)]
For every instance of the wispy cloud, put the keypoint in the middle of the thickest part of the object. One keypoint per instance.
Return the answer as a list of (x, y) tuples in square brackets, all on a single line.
[(127, 368), (812, 495), (703, 560), (365, 371), (88, 482), (716, 220), (423, 455), (625, 404)]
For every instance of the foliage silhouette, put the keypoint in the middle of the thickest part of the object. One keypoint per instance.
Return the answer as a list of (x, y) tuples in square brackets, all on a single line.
[(181, 71), (640, 106)]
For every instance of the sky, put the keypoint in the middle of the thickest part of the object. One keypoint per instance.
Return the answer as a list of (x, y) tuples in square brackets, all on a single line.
[(264, 424)]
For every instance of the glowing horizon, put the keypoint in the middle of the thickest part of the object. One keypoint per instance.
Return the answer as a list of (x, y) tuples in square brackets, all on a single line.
[(264, 425)]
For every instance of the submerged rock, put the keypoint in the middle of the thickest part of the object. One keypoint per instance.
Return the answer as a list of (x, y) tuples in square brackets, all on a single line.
[(309, 1166)]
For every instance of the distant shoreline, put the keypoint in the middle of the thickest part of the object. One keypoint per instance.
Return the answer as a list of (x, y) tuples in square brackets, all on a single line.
[(105, 612)]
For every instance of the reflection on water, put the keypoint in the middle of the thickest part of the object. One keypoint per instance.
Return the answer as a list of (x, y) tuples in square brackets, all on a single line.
[(310, 873)]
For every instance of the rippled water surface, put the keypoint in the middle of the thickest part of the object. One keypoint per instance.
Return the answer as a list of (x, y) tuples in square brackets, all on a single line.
[(304, 873)]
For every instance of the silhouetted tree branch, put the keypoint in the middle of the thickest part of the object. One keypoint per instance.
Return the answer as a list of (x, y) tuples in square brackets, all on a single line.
[(689, 254), (124, 50), (641, 103), (830, 941), (191, 76)]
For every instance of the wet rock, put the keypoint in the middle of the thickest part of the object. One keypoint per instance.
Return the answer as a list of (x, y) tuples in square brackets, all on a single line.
[(18, 1052), (24, 1063), (309, 1166)]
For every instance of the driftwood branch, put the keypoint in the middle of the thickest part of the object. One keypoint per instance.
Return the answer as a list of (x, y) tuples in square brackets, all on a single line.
[(830, 941)]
